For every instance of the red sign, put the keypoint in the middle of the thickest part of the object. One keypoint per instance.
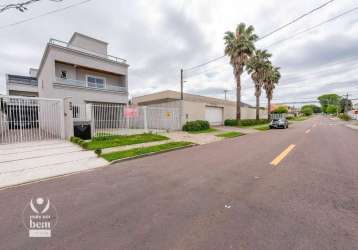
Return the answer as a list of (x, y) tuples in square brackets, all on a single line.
[(130, 112)]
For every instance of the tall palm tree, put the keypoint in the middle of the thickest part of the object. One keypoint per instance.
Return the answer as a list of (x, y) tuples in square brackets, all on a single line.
[(272, 77), (239, 46), (256, 66)]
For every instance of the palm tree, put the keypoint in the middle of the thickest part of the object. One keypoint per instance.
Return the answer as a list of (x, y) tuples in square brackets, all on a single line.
[(272, 77), (239, 46), (257, 65)]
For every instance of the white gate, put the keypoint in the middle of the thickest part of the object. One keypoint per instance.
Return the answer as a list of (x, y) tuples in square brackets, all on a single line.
[(117, 119), (25, 119)]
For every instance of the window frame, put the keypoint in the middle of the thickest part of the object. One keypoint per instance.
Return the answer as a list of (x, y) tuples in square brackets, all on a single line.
[(96, 77)]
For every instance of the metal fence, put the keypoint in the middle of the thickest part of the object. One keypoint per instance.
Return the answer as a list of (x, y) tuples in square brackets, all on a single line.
[(117, 119), (24, 119)]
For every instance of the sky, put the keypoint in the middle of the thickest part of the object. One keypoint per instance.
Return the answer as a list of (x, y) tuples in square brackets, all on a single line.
[(158, 38)]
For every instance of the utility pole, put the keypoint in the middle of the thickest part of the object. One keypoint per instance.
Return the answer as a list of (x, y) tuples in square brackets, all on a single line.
[(225, 92), (346, 104), (181, 84)]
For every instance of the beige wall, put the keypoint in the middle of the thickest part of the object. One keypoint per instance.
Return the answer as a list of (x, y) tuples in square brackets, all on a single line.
[(88, 43), (47, 76)]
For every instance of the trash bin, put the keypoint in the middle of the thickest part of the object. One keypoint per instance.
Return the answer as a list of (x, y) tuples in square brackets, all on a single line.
[(82, 130)]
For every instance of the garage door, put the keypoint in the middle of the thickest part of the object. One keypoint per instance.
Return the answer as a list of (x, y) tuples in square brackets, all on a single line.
[(214, 115)]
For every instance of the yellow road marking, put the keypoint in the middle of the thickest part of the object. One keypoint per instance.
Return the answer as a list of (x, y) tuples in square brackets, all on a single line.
[(281, 156), (307, 131)]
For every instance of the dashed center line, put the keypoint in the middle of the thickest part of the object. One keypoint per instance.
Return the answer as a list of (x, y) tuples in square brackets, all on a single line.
[(281, 156)]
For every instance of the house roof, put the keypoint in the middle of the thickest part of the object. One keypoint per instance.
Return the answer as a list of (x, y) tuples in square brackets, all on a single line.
[(169, 95)]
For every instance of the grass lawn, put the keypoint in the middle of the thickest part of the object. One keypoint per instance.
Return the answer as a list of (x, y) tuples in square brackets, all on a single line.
[(210, 130), (299, 118), (144, 150), (231, 134), (122, 140), (262, 127)]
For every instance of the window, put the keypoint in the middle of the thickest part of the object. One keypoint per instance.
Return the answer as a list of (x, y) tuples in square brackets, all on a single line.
[(75, 111), (96, 82), (63, 74)]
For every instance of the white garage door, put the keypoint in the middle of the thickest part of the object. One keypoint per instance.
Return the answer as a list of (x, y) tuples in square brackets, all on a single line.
[(214, 115)]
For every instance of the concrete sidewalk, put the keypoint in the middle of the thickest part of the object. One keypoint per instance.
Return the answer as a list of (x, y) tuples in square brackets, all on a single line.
[(25, 162)]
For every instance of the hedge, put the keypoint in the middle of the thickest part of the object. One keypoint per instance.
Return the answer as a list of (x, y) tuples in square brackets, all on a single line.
[(196, 125), (245, 123)]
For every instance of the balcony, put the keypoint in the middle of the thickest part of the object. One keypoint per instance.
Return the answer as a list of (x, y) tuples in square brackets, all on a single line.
[(83, 84), (68, 46)]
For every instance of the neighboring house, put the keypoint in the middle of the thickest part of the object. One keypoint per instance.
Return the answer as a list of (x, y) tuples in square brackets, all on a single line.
[(196, 107), (80, 69)]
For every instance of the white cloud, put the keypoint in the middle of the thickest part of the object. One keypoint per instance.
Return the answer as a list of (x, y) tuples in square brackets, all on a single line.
[(159, 37)]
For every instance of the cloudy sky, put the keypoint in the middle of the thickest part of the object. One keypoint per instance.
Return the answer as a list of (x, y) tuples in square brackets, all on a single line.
[(160, 37)]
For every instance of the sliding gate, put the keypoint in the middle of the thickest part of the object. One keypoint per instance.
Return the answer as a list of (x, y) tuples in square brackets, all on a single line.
[(25, 119)]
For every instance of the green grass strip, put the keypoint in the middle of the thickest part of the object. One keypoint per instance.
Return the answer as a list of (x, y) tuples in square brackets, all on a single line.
[(123, 140), (144, 150), (231, 134)]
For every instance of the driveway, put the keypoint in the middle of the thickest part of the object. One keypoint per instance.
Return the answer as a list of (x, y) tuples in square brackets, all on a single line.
[(223, 195), (31, 161)]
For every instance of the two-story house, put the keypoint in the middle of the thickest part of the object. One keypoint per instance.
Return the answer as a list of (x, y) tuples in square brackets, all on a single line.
[(80, 69)]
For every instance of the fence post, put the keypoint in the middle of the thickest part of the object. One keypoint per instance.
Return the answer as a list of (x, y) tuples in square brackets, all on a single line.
[(145, 118), (68, 117)]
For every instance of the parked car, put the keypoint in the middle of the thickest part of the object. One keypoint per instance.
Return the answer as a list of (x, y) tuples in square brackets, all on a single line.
[(279, 123)]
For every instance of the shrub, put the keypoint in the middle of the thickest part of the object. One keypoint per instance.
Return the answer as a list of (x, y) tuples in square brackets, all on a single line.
[(345, 117), (85, 145), (307, 111), (196, 125), (280, 110), (98, 152), (252, 122), (231, 122)]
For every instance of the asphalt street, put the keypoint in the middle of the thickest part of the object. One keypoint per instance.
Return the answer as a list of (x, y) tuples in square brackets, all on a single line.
[(280, 189)]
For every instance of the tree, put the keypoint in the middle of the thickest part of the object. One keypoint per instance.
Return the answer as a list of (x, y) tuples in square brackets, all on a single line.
[(328, 99), (21, 6), (316, 109), (345, 105), (257, 65), (239, 46), (331, 109), (307, 110), (272, 77), (280, 110)]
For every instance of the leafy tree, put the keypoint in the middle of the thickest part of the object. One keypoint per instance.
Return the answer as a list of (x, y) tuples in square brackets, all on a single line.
[(257, 65), (328, 99), (272, 77), (316, 109), (307, 110), (239, 46), (331, 109), (280, 110)]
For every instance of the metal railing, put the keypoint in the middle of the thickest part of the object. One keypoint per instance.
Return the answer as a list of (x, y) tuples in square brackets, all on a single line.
[(67, 45), (83, 84)]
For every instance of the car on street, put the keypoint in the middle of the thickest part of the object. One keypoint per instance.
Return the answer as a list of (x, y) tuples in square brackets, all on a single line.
[(279, 123)]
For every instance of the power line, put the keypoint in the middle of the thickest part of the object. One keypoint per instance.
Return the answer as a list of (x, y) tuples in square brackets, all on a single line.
[(44, 14), (315, 26), (297, 19), (271, 33)]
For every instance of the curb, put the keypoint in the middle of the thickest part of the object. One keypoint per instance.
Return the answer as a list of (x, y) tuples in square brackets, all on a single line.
[(150, 154)]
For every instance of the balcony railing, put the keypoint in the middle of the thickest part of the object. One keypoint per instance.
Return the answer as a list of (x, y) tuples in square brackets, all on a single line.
[(67, 45), (83, 84)]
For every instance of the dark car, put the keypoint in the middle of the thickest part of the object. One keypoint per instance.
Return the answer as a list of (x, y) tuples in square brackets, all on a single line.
[(279, 123)]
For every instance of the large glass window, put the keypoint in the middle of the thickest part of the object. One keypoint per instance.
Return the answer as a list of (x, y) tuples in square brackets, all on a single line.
[(96, 82)]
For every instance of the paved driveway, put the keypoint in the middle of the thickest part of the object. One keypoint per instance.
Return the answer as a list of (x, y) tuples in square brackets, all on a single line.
[(223, 195)]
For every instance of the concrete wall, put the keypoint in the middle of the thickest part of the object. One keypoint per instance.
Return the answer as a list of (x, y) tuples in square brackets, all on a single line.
[(47, 76), (88, 43)]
